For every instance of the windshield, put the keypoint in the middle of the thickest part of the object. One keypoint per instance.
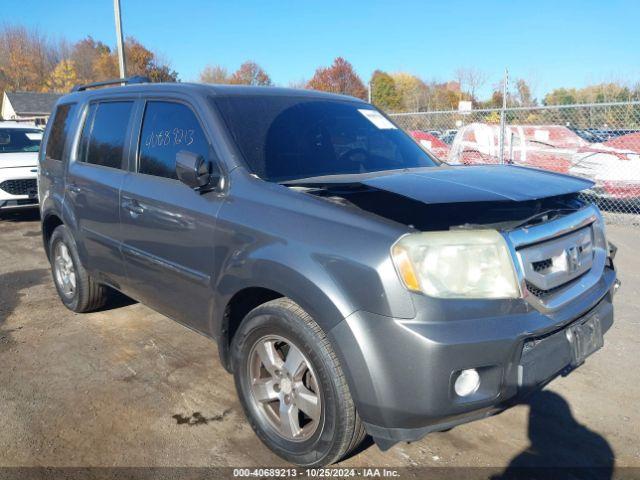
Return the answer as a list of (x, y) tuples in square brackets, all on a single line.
[(13, 140), (286, 138)]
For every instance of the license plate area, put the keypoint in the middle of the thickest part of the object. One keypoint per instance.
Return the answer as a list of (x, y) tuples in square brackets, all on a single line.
[(545, 357), (585, 337)]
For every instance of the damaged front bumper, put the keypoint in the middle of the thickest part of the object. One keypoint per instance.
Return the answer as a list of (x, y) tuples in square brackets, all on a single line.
[(402, 372)]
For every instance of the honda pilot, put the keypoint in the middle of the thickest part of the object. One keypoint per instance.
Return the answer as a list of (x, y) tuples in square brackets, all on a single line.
[(355, 285)]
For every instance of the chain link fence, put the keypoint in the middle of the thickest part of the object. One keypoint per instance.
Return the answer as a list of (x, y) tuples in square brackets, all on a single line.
[(599, 141)]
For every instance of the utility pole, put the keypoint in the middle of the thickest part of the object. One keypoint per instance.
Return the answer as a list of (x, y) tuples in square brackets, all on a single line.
[(119, 39), (503, 113), (369, 90)]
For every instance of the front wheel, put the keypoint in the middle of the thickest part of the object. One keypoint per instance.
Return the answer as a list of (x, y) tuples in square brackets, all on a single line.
[(292, 387)]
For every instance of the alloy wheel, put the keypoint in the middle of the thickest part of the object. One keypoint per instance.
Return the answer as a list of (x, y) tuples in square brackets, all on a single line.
[(284, 388)]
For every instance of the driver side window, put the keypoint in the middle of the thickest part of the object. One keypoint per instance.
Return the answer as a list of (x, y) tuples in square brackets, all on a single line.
[(167, 128)]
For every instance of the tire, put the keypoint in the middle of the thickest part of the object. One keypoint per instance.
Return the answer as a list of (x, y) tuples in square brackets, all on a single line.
[(336, 429), (83, 294)]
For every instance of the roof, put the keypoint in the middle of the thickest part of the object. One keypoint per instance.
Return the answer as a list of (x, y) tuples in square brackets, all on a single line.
[(215, 90), (32, 103)]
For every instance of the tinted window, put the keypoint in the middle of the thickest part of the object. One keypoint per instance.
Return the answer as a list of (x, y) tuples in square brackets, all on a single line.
[(284, 138), (168, 128), (19, 140), (59, 130), (104, 133)]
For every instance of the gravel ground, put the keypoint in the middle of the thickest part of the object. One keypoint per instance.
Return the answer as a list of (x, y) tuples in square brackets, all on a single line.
[(127, 387)]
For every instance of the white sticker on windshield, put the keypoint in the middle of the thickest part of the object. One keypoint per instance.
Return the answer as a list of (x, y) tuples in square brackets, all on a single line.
[(34, 136), (377, 119)]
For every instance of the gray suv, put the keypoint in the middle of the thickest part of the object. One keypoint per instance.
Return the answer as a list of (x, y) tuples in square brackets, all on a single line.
[(354, 284)]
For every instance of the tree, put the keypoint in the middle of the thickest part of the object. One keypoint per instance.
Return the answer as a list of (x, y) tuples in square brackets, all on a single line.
[(561, 96), (383, 91), (470, 80), (523, 95), (338, 78), (250, 73), (142, 61), (63, 77), (27, 58), (413, 92), (85, 54), (214, 74)]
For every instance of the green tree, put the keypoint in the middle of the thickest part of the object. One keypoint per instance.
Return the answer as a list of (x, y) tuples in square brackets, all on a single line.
[(383, 92)]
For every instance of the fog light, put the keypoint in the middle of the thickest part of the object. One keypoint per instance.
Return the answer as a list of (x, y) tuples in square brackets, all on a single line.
[(467, 382)]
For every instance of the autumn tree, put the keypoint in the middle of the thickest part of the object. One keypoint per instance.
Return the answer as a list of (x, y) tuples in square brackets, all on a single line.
[(411, 90), (340, 77), (63, 77), (85, 55), (27, 58), (250, 73), (383, 91), (214, 74), (142, 61), (523, 94)]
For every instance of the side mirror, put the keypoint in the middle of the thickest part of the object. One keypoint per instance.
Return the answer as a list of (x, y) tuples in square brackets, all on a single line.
[(195, 171)]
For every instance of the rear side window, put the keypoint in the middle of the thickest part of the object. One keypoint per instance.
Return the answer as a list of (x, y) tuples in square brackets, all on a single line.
[(60, 129), (168, 128), (104, 133)]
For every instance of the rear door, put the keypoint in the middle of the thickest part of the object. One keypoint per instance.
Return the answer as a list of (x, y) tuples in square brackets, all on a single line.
[(168, 229), (93, 186)]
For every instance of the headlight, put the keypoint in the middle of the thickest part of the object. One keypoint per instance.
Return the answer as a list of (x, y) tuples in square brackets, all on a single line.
[(456, 264)]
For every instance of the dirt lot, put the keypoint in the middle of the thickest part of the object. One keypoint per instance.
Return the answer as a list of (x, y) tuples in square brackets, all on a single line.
[(128, 387)]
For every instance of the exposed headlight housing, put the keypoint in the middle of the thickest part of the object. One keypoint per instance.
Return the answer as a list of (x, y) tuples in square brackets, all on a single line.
[(456, 264)]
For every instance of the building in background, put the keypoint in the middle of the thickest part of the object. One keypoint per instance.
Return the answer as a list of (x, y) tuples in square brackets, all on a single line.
[(28, 106)]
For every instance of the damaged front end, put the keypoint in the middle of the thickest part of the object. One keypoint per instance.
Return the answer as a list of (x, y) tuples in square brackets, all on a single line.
[(443, 198)]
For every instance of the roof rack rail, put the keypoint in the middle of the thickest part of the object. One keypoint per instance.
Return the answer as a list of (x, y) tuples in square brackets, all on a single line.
[(115, 81)]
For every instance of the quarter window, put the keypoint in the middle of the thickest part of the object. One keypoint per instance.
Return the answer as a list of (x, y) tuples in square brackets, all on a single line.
[(59, 131), (168, 128), (104, 133)]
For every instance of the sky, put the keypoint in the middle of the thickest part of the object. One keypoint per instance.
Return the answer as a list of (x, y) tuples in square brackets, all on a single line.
[(552, 44)]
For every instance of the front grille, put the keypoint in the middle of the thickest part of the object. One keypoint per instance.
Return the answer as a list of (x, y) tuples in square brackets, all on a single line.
[(551, 265), (540, 293), (542, 265), (20, 187)]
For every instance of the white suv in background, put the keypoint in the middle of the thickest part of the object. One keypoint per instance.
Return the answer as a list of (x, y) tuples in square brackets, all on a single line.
[(19, 145)]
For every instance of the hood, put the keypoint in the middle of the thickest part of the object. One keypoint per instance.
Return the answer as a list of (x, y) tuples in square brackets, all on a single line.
[(465, 183), (18, 159)]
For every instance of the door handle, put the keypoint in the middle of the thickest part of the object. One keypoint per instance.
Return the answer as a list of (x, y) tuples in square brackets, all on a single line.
[(132, 206), (72, 187)]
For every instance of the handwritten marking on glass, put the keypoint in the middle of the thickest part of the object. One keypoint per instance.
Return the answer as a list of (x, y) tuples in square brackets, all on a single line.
[(169, 138)]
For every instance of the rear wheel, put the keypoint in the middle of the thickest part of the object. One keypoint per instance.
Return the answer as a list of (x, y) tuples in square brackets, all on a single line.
[(77, 290), (292, 387)]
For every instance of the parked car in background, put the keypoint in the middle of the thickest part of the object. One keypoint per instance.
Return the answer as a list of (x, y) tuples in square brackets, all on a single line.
[(629, 142), (19, 145), (432, 143), (448, 138), (615, 171)]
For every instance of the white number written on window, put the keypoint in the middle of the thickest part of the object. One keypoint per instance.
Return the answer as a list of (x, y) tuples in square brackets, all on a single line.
[(169, 138)]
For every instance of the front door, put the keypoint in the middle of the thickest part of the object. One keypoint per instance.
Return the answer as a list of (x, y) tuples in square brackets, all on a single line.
[(168, 229)]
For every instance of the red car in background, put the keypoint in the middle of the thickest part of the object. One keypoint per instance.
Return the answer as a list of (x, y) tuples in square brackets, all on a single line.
[(432, 143), (614, 165)]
